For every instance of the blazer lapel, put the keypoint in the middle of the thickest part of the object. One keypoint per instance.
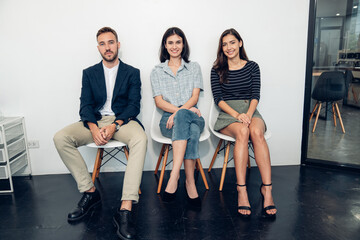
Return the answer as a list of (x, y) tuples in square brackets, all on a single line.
[(120, 79), (100, 79)]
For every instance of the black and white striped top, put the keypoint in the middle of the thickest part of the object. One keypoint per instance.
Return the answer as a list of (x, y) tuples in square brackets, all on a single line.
[(243, 84)]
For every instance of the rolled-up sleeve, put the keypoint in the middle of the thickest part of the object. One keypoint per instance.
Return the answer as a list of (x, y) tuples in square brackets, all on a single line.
[(155, 83), (198, 79)]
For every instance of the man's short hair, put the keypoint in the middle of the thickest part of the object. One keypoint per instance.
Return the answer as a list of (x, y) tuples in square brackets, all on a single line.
[(105, 30)]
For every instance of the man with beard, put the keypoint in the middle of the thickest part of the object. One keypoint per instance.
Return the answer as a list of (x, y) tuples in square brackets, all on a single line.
[(109, 104)]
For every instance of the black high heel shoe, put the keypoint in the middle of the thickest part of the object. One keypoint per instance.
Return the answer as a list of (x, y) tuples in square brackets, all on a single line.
[(243, 207), (169, 197), (194, 202), (268, 207)]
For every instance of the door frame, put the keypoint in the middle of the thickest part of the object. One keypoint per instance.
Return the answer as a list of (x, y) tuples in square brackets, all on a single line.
[(307, 99)]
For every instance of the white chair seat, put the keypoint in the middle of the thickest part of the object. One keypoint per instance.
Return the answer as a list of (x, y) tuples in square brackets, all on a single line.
[(111, 144)]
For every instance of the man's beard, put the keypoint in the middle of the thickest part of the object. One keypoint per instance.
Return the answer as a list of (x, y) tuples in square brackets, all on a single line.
[(111, 59)]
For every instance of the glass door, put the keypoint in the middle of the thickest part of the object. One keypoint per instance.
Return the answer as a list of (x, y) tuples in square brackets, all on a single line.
[(332, 102)]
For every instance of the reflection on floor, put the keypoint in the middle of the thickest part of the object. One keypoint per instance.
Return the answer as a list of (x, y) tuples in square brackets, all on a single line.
[(313, 203), (330, 143)]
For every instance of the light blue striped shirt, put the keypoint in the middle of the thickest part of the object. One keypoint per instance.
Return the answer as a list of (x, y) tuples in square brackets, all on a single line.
[(176, 90)]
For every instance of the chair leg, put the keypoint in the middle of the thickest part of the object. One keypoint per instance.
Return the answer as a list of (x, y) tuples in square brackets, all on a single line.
[(312, 113), (251, 147), (101, 158), (97, 164), (163, 168), (317, 117), (334, 115), (338, 113), (215, 154), (126, 151), (354, 95), (224, 166), (198, 164), (159, 159), (197, 167)]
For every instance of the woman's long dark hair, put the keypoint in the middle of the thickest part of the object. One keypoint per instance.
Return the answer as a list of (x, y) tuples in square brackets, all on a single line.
[(221, 62), (164, 55)]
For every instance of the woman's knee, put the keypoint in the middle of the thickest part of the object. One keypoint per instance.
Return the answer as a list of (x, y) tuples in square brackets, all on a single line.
[(181, 114), (256, 134), (242, 134)]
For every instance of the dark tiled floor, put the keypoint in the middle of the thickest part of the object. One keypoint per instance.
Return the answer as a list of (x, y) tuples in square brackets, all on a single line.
[(313, 203), (330, 143)]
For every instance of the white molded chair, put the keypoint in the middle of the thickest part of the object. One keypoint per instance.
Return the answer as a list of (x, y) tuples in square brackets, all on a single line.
[(214, 112), (111, 149), (166, 147)]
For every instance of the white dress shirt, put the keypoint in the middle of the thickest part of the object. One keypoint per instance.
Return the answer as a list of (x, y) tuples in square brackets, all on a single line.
[(110, 77)]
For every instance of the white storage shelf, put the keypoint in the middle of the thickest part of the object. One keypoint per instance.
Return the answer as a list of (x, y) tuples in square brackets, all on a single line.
[(14, 154)]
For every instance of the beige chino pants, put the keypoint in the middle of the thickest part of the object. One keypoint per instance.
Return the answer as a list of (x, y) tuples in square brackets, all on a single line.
[(76, 135)]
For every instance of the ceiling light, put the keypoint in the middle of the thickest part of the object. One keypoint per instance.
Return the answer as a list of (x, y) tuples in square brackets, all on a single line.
[(338, 14), (355, 6)]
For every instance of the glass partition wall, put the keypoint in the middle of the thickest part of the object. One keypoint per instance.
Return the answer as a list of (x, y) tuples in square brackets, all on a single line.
[(332, 101)]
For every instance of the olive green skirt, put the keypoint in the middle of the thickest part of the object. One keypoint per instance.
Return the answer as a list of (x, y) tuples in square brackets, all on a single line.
[(241, 106)]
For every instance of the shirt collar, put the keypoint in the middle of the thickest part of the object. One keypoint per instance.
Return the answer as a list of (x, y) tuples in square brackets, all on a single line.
[(165, 66), (115, 68)]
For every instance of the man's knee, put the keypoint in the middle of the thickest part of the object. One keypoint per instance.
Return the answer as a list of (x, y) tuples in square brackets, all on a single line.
[(59, 138), (139, 139)]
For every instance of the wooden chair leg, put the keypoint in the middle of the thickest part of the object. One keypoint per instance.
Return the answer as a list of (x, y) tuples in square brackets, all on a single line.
[(101, 158), (354, 95), (334, 115), (224, 166), (97, 164), (163, 168), (126, 151), (340, 119), (198, 163), (312, 113), (197, 167), (159, 159), (317, 117), (215, 154)]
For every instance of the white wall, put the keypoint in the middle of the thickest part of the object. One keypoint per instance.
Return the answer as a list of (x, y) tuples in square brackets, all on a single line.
[(44, 46)]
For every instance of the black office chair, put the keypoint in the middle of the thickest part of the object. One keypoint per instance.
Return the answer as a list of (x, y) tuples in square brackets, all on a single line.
[(329, 88)]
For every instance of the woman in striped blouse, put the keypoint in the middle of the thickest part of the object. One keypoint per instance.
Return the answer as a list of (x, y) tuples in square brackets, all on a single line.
[(235, 83)]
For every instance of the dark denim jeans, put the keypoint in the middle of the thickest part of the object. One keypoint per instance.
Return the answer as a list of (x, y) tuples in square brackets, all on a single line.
[(187, 126)]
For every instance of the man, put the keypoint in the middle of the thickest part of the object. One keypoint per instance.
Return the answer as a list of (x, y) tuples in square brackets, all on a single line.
[(109, 104)]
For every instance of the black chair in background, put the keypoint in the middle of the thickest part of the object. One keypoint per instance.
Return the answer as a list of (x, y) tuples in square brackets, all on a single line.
[(349, 78), (329, 88)]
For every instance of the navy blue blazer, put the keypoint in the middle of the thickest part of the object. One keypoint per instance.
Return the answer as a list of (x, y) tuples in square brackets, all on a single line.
[(126, 96)]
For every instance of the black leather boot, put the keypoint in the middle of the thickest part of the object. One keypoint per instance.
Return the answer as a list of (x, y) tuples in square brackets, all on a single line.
[(125, 228), (86, 203)]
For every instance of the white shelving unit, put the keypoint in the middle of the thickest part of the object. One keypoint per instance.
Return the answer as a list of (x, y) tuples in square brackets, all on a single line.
[(14, 152)]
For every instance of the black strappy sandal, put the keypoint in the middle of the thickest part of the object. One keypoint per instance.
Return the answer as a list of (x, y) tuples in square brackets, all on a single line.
[(268, 207), (243, 207)]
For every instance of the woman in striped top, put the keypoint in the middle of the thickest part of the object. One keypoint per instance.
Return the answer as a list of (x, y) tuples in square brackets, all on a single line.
[(235, 83)]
